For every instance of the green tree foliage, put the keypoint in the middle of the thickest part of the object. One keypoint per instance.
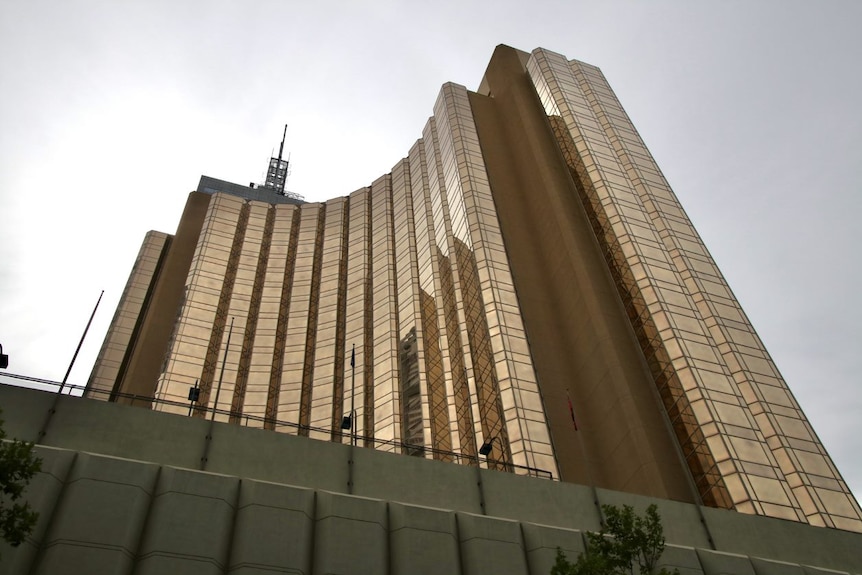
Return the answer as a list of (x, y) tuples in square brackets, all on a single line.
[(628, 544), (18, 465)]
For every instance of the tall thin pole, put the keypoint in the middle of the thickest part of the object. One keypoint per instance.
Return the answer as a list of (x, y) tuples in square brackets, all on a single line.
[(353, 396), (281, 147), (80, 343), (221, 374)]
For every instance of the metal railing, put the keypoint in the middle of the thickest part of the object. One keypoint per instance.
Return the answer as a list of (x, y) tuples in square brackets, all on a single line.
[(258, 422)]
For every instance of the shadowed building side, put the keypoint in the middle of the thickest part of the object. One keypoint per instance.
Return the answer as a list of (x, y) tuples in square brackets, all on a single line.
[(580, 339)]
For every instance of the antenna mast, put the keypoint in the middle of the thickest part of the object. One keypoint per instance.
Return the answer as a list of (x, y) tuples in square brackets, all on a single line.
[(276, 174), (281, 147)]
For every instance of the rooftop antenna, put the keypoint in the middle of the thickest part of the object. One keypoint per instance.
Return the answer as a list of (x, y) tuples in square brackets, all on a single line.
[(276, 174), (281, 147)]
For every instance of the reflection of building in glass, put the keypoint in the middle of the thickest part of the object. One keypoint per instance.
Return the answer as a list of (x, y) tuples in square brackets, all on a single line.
[(411, 398), (526, 253)]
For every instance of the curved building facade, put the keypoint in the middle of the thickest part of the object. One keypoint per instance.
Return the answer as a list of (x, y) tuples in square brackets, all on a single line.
[(523, 281)]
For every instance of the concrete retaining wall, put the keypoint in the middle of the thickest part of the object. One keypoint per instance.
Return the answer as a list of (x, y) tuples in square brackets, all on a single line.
[(125, 490)]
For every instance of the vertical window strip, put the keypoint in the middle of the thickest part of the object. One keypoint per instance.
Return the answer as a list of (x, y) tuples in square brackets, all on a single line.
[(696, 453), (217, 337), (311, 325), (428, 276), (340, 329), (252, 319), (368, 332), (275, 377)]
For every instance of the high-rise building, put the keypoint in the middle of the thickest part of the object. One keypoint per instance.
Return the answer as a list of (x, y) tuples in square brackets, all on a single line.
[(524, 280)]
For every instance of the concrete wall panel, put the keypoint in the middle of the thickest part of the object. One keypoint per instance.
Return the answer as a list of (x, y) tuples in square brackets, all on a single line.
[(718, 563), (98, 523), (278, 457), (766, 567), (396, 478), (190, 525), (200, 522), (819, 571), (490, 545), (350, 536), (683, 559), (423, 541), (43, 494), (127, 431), (785, 540), (541, 544), (24, 411), (681, 521), (539, 501), (273, 530)]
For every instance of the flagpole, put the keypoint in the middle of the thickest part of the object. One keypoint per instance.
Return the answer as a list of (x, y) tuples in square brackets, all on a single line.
[(352, 396), (80, 343), (221, 375)]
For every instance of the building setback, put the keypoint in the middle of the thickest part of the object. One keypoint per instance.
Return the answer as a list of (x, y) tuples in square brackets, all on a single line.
[(524, 278)]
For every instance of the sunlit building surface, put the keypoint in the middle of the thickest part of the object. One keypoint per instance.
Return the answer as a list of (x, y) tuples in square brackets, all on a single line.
[(523, 279)]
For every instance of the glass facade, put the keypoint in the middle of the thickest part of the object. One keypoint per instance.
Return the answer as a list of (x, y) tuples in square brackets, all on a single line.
[(410, 272), (396, 314), (119, 341), (747, 444)]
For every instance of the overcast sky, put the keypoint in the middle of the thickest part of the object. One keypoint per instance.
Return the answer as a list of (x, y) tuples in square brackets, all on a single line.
[(110, 111)]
